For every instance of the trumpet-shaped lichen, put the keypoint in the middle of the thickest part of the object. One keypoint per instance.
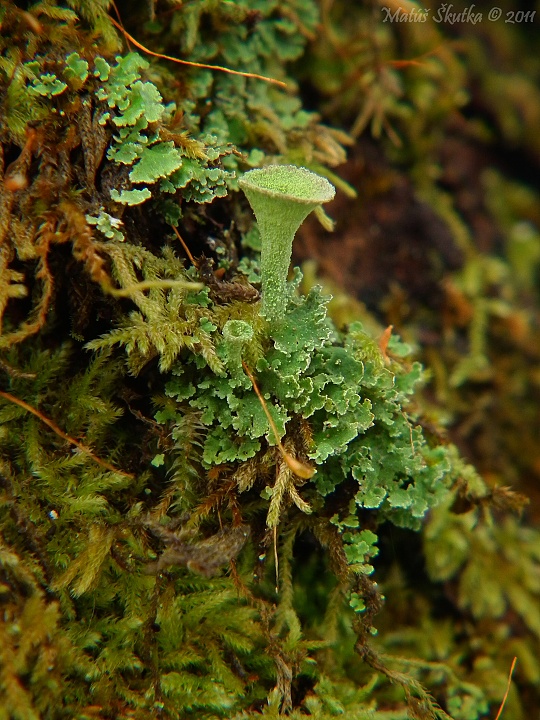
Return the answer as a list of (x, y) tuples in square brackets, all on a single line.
[(282, 196)]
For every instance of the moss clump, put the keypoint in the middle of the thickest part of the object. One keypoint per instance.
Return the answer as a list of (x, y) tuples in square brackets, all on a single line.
[(204, 495)]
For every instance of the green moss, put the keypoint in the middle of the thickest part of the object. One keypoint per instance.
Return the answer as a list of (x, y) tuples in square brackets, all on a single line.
[(166, 548)]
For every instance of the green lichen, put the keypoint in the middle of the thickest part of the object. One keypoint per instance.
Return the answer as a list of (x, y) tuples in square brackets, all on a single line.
[(109, 226), (47, 85), (167, 550), (282, 196), (76, 70), (135, 107), (340, 386)]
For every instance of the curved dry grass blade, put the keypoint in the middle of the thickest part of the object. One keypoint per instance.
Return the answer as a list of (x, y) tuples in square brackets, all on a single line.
[(140, 46), (54, 427)]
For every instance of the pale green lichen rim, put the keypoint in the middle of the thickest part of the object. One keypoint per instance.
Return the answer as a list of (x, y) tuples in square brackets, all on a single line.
[(282, 196), (237, 331), (289, 182)]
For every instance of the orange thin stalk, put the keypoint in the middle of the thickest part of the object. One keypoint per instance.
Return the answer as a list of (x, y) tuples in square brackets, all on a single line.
[(383, 342), (417, 61), (507, 688), (54, 427), (183, 243), (298, 468), (194, 64), (399, 64), (121, 27)]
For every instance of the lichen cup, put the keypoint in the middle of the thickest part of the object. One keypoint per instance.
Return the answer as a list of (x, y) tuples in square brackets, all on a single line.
[(281, 196)]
